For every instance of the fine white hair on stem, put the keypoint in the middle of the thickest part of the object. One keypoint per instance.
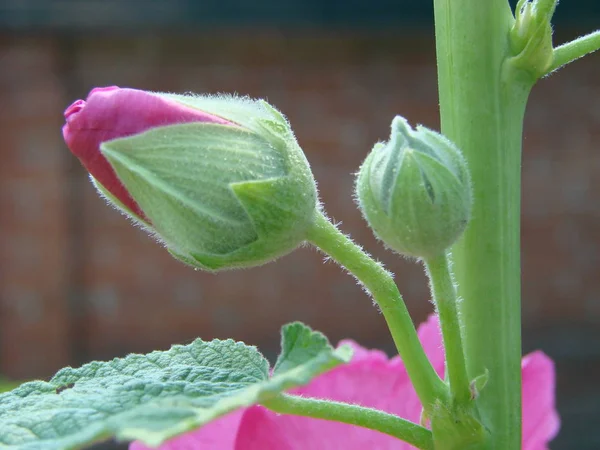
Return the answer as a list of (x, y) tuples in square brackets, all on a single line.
[(328, 258)]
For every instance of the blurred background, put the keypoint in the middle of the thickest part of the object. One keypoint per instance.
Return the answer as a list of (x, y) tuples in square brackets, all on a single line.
[(78, 282)]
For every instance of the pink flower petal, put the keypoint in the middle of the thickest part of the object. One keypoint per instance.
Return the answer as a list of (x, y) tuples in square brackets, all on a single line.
[(260, 430), (431, 339), (371, 380), (110, 113), (540, 419), (360, 353), (219, 434)]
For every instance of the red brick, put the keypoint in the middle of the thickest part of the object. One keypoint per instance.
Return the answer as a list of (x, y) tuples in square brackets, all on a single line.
[(340, 92)]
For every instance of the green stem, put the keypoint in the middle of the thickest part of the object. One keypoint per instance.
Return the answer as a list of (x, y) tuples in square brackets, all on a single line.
[(380, 284), (482, 104), (569, 52), (444, 296), (390, 424)]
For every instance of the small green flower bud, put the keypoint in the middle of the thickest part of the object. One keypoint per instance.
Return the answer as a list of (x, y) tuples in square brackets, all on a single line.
[(531, 36), (415, 191)]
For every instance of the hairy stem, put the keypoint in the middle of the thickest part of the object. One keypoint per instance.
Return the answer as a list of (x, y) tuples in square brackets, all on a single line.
[(569, 52), (373, 419), (444, 296), (482, 104), (380, 284)]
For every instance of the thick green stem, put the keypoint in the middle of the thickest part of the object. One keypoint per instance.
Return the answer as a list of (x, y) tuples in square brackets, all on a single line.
[(444, 296), (380, 284), (569, 52), (482, 103), (412, 433)]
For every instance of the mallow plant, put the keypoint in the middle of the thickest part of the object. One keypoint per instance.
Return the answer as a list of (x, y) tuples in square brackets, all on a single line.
[(222, 183)]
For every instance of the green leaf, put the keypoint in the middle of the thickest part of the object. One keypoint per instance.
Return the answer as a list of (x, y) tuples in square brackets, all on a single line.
[(159, 395), (300, 345)]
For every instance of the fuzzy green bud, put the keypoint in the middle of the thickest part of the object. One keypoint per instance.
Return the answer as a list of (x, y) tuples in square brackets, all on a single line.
[(232, 191), (415, 191)]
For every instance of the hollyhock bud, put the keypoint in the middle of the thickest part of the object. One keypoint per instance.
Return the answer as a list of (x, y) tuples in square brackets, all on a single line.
[(220, 180), (415, 191), (531, 36)]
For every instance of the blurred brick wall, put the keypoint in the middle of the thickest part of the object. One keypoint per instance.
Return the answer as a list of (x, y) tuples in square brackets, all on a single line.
[(77, 282), (34, 238)]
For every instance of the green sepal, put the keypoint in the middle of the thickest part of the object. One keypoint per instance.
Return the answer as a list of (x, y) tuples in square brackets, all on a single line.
[(274, 207), (531, 37), (457, 429), (116, 203), (436, 214), (156, 396), (254, 115), (478, 383), (242, 111), (190, 181)]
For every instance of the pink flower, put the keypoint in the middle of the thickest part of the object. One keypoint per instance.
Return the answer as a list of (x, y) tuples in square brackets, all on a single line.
[(372, 380), (111, 113)]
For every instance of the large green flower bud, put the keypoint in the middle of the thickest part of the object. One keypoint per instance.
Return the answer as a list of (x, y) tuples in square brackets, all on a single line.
[(415, 191), (221, 181)]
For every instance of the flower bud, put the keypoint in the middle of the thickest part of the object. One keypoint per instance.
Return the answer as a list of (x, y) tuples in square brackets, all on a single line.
[(220, 180), (531, 36), (415, 191)]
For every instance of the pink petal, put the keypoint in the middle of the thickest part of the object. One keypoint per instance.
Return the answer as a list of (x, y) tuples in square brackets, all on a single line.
[(112, 112), (360, 353), (431, 339), (540, 419), (217, 435), (260, 430), (371, 380)]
